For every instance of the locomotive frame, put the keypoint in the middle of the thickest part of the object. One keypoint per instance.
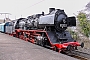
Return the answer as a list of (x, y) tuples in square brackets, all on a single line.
[(37, 37)]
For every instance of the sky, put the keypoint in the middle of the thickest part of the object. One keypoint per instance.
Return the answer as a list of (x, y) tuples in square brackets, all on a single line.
[(24, 8)]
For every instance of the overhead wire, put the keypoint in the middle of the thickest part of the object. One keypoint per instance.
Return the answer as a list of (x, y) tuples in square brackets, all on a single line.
[(30, 6), (33, 5)]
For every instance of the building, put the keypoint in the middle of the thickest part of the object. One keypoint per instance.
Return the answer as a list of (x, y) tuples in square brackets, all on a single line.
[(5, 20)]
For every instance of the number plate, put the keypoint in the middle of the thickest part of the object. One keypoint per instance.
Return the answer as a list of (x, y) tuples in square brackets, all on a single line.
[(63, 25)]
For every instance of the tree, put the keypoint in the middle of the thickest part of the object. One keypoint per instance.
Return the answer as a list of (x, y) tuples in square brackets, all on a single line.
[(87, 9), (85, 26)]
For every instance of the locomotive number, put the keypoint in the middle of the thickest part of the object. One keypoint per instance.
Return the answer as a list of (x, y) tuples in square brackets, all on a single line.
[(63, 25)]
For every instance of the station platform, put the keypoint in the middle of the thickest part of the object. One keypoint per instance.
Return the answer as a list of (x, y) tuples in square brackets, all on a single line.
[(12, 48)]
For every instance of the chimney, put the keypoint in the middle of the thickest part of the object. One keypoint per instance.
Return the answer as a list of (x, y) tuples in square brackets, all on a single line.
[(51, 9)]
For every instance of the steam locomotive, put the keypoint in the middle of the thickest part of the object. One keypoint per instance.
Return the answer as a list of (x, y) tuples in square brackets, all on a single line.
[(47, 30)]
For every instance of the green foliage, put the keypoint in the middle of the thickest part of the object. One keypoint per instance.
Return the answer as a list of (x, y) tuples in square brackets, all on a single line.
[(85, 26), (74, 35)]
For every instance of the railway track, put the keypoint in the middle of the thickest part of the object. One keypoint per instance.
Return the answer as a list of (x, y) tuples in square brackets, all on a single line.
[(80, 55)]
